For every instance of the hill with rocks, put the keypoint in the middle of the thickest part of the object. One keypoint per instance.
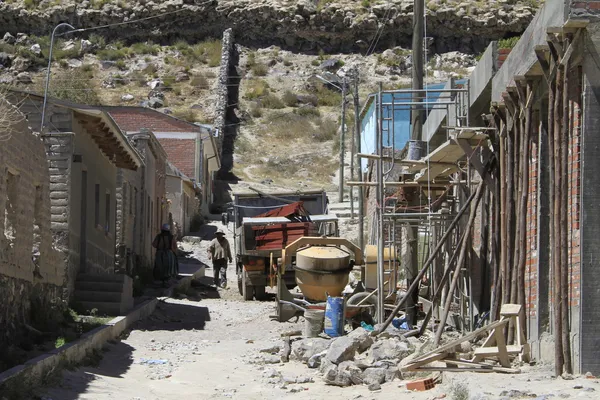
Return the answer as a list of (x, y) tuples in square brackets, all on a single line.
[(288, 133), (298, 25)]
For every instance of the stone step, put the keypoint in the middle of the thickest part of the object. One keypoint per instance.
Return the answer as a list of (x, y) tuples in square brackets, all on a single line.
[(103, 308), (99, 286), (90, 295), (101, 278)]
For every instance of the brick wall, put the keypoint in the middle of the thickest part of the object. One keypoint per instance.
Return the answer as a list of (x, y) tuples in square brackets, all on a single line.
[(182, 153), (531, 263), (574, 187), (502, 56), (30, 268)]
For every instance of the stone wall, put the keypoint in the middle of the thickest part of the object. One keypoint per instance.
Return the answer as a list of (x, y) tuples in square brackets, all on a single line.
[(58, 151), (31, 274), (222, 86)]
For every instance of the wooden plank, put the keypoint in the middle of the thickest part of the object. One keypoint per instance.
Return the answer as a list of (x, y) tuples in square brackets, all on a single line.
[(576, 23), (502, 353), (509, 310), (449, 346), (477, 164), (467, 363), (471, 369), (416, 364), (554, 30), (494, 351)]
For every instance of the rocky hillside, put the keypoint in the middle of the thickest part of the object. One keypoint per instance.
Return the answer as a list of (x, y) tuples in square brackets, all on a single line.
[(288, 133), (299, 25)]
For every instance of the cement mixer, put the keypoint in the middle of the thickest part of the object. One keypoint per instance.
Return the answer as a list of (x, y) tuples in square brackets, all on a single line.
[(322, 268)]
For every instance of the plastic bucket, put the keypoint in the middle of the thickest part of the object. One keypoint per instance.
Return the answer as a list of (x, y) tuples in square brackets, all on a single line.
[(313, 322), (334, 316), (416, 149)]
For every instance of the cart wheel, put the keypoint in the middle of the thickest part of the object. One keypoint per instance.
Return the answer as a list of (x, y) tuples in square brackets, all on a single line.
[(247, 290), (372, 301), (259, 292), (240, 283)]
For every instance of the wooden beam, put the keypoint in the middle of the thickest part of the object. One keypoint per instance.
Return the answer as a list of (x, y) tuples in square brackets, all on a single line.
[(478, 165), (540, 52), (450, 346), (555, 47), (576, 23), (570, 49)]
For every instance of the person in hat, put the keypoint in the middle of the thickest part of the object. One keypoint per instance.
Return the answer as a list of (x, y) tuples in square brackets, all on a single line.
[(165, 262), (219, 252)]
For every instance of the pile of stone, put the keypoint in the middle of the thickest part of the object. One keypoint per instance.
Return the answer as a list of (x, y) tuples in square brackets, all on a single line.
[(358, 358)]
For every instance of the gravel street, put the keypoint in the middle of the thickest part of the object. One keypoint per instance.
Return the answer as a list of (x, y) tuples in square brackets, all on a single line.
[(210, 344)]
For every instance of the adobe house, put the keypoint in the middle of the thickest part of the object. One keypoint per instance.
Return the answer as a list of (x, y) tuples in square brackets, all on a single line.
[(31, 269), (191, 148), (141, 205), (182, 196), (85, 147)]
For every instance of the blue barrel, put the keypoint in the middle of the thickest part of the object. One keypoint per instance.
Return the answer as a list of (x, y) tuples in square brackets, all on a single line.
[(334, 316)]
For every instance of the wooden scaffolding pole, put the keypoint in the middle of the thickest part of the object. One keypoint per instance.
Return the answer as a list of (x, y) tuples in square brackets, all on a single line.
[(556, 253), (564, 199)]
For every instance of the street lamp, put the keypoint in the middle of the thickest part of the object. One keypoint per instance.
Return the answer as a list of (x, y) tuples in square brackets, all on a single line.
[(48, 71), (343, 135)]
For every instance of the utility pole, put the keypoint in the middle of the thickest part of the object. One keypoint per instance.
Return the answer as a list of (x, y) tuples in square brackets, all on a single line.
[(48, 70), (357, 148), (417, 69), (412, 232), (342, 146)]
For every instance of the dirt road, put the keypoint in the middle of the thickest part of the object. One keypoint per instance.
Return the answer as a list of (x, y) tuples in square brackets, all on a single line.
[(208, 346)]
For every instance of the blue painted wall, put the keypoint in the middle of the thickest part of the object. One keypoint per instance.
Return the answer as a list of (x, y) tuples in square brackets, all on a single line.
[(402, 126)]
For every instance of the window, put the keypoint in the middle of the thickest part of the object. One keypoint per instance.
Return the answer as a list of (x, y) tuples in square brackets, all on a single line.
[(107, 214), (124, 201), (37, 209), (157, 211), (130, 200), (36, 248), (96, 205), (10, 212), (148, 211)]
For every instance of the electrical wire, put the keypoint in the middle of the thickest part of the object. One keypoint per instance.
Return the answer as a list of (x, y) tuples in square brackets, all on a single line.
[(379, 32)]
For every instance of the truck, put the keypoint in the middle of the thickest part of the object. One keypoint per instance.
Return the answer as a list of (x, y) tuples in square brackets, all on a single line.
[(264, 224)]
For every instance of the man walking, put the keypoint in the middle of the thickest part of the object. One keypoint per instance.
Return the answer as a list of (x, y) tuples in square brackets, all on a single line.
[(219, 252)]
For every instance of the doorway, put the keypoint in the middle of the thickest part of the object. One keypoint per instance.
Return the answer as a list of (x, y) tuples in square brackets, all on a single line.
[(83, 224)]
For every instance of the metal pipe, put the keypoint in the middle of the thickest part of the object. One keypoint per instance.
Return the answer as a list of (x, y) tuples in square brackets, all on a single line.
[(342, 144), (418, 103), (380, 212), (48, 72), (361, 210), (392, 139), (426, 90)]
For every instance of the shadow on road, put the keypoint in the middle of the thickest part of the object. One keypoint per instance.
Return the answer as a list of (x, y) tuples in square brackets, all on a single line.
[(175, 317), (115, 362)]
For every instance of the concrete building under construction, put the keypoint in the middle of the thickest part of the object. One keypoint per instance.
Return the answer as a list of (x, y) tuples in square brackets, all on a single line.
[(513, 149)]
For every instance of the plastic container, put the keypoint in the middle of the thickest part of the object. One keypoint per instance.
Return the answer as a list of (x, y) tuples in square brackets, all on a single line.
[(334, 316), (313, 322)]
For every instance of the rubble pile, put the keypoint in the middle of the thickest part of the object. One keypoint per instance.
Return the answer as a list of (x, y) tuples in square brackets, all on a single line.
[(357, 358)]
